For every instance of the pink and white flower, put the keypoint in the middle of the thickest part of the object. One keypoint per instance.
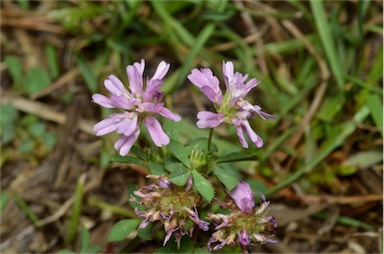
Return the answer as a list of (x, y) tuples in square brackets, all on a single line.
[(246, 223), (231, 106), (140, 104)]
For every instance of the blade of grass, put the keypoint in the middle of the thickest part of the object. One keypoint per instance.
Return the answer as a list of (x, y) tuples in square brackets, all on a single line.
[(363, 84), (277, 143), (375, 106), (73, 222), (327, 40), (286, 47), (199, 43), (376, 73), (51, 54), (3, 200), (31, 215), (88, 75), (92, 201), (186, 38), (347, 221), (327, 148)]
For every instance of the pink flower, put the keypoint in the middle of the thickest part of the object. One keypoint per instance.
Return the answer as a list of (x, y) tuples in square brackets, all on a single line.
[(243, 196), (246, 223), (158, 204), (141, 103), (231, 107)]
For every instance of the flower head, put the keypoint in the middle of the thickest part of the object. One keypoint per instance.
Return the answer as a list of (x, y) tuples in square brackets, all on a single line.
[(140, 104), (243, 196), (173, 206), (246, 223), (231, 107)]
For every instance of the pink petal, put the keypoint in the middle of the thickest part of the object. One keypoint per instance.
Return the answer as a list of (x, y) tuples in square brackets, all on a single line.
[(209, 119), (125, 144), (157, 133), (169, 114), (128, 125), (135, 79), (243, 196), (140, 67), (103, 101), (105, 126), (161, 70), (204, 77), (213, 96), (115, 86), (228, 71), (252, 135), (239, 130)]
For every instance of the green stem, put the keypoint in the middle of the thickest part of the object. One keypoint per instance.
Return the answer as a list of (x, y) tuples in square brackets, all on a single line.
[(210, 139)]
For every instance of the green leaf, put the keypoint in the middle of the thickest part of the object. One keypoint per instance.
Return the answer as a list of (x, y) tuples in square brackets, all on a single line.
[(24, 4), (227, 175), (8, 116), (171, 166), (139, 153), (146, 233), (232, 157), (204, 35), (200, 144), (91, 250), (179, 175), (74, 220), (327, 40), (14, 67), (122, 229), (257, 186), (3, 200), (85, 238), (35, 80), (126, 159), (376, 108), (180, 152), (51, 53), (172, 128), (156, 168), (88, 75), (37, 129), (65, 251), (201, 251), (31, 215), (364, 159), (331, 106), (203, 186)]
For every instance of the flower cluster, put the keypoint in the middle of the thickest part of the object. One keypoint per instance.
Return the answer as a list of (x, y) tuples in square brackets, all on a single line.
[(172, 205), (231, 107), (142, 103), (246, 223)]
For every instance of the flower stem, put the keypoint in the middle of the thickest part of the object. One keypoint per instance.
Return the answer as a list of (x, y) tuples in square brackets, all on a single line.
[(210, 139)]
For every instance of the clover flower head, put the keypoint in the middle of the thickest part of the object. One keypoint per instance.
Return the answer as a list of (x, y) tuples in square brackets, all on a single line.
[(246, 222), (231, 106), (172, 205), (140, 104)]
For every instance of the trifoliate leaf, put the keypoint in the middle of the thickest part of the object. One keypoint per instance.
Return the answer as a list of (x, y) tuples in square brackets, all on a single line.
[(122, 229), (179, 175), (180, 152), (227, 175), (203, 186)]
